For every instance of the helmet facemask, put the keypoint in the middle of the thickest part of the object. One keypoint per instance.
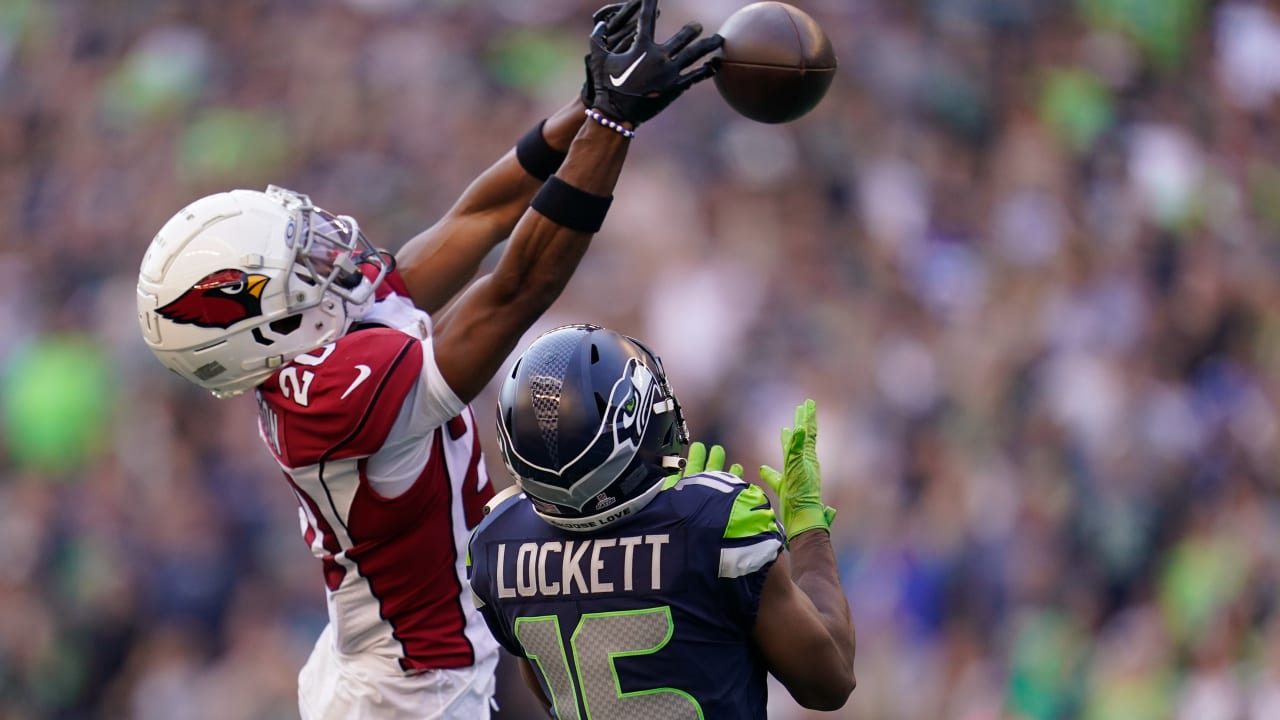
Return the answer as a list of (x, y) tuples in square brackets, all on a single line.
[(330, 250)]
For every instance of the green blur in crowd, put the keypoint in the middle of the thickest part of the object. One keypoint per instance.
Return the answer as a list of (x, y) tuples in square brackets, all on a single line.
[(56, 399)]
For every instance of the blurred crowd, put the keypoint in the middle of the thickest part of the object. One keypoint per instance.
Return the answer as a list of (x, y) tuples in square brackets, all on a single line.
[(1024, 256)]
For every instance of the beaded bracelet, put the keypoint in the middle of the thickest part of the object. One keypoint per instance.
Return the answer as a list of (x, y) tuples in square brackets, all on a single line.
[(611, 124)]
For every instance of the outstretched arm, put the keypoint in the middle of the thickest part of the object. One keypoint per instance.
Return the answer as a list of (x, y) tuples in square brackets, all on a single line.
[(633, 81), (474, 336), (803, 627), (441, 260)]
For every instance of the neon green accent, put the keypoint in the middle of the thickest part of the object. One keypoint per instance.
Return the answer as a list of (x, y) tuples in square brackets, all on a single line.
[(670, 481), (569, 692), (613, 668), (695, 460), (594, 634), (750, 515), (799, 484)]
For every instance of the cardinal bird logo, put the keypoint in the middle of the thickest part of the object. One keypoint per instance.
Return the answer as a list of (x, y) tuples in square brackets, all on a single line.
[(220, 300)]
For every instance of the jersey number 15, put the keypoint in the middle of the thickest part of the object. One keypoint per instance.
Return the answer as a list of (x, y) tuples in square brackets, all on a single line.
[(596, 641)]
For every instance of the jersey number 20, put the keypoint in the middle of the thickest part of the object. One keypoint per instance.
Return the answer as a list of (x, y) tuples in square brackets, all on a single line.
[(596, 641)]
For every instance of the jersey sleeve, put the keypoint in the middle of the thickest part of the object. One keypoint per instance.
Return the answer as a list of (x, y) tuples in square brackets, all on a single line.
[(341, 400), (435, 403), (741, 519)]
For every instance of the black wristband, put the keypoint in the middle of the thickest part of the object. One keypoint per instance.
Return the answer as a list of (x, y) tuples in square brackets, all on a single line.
[(537, 157), (576, 209)]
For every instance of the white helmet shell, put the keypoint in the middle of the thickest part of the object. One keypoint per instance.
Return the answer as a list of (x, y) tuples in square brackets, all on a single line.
[(239, 283)]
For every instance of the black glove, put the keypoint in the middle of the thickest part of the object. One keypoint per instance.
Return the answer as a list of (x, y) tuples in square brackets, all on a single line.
[(636, 82), (620, 20)]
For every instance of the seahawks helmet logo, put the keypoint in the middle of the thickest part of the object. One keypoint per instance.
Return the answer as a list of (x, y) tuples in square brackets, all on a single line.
[(626, 417)]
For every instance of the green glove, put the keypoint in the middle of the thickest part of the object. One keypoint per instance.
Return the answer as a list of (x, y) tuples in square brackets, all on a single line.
[(799, 485), (699, 460)]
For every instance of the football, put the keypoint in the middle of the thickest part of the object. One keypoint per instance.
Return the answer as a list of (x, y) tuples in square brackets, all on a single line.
[(776, 63)]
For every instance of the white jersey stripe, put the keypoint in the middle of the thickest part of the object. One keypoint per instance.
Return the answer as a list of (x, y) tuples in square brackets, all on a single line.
[(739, 561), (458, 457), (333, 498)]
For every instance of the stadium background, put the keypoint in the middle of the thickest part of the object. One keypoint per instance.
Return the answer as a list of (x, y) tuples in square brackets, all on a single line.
[(1024, 256)]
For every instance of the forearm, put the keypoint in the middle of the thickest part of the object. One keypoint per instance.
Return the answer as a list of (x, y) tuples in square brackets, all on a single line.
[(543, 254), (563, 126), (441, 260), (475, 336), (814, 571)]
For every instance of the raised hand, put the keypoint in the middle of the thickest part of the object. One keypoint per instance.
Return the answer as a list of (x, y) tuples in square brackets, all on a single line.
[(799, 485), (699, 460), (632, 79), (620, 20)]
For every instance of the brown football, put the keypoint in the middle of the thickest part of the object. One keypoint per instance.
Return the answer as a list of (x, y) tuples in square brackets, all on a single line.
[(776, 63)]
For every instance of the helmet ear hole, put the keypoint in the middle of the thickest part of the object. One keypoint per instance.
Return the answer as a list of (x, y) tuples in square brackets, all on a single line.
[(595, 358), (349, 280), (285, 326)]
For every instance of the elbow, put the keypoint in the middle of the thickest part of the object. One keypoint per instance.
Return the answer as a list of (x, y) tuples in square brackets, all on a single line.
[(831, 695)]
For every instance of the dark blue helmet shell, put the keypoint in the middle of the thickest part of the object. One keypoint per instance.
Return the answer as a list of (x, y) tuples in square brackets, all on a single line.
[(588, 425)]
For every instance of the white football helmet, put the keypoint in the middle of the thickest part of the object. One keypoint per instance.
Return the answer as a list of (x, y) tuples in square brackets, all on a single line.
[(239, 283)]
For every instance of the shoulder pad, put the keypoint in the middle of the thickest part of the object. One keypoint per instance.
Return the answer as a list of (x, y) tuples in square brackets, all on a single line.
[(342, 399), (719, 497), (500, 498), (751, 514)]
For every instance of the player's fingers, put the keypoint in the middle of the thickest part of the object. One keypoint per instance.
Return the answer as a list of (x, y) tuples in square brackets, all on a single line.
[(807, 416), (624, 18), (697, 459), (798, 439), (736, 469), (771, 477), (703, 72), (600, 34), (648, 19), (606, 12), (696, 51), (715, 458), (621, 40), (810, 410), (683, 37)]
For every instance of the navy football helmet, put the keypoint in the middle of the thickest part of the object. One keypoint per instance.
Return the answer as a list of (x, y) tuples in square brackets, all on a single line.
[(589, 427)]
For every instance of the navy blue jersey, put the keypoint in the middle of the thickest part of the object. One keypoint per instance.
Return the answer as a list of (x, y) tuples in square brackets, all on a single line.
[(649, 617)]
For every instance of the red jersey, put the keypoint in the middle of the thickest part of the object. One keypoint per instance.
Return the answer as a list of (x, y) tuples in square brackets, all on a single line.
[(389, 476)]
